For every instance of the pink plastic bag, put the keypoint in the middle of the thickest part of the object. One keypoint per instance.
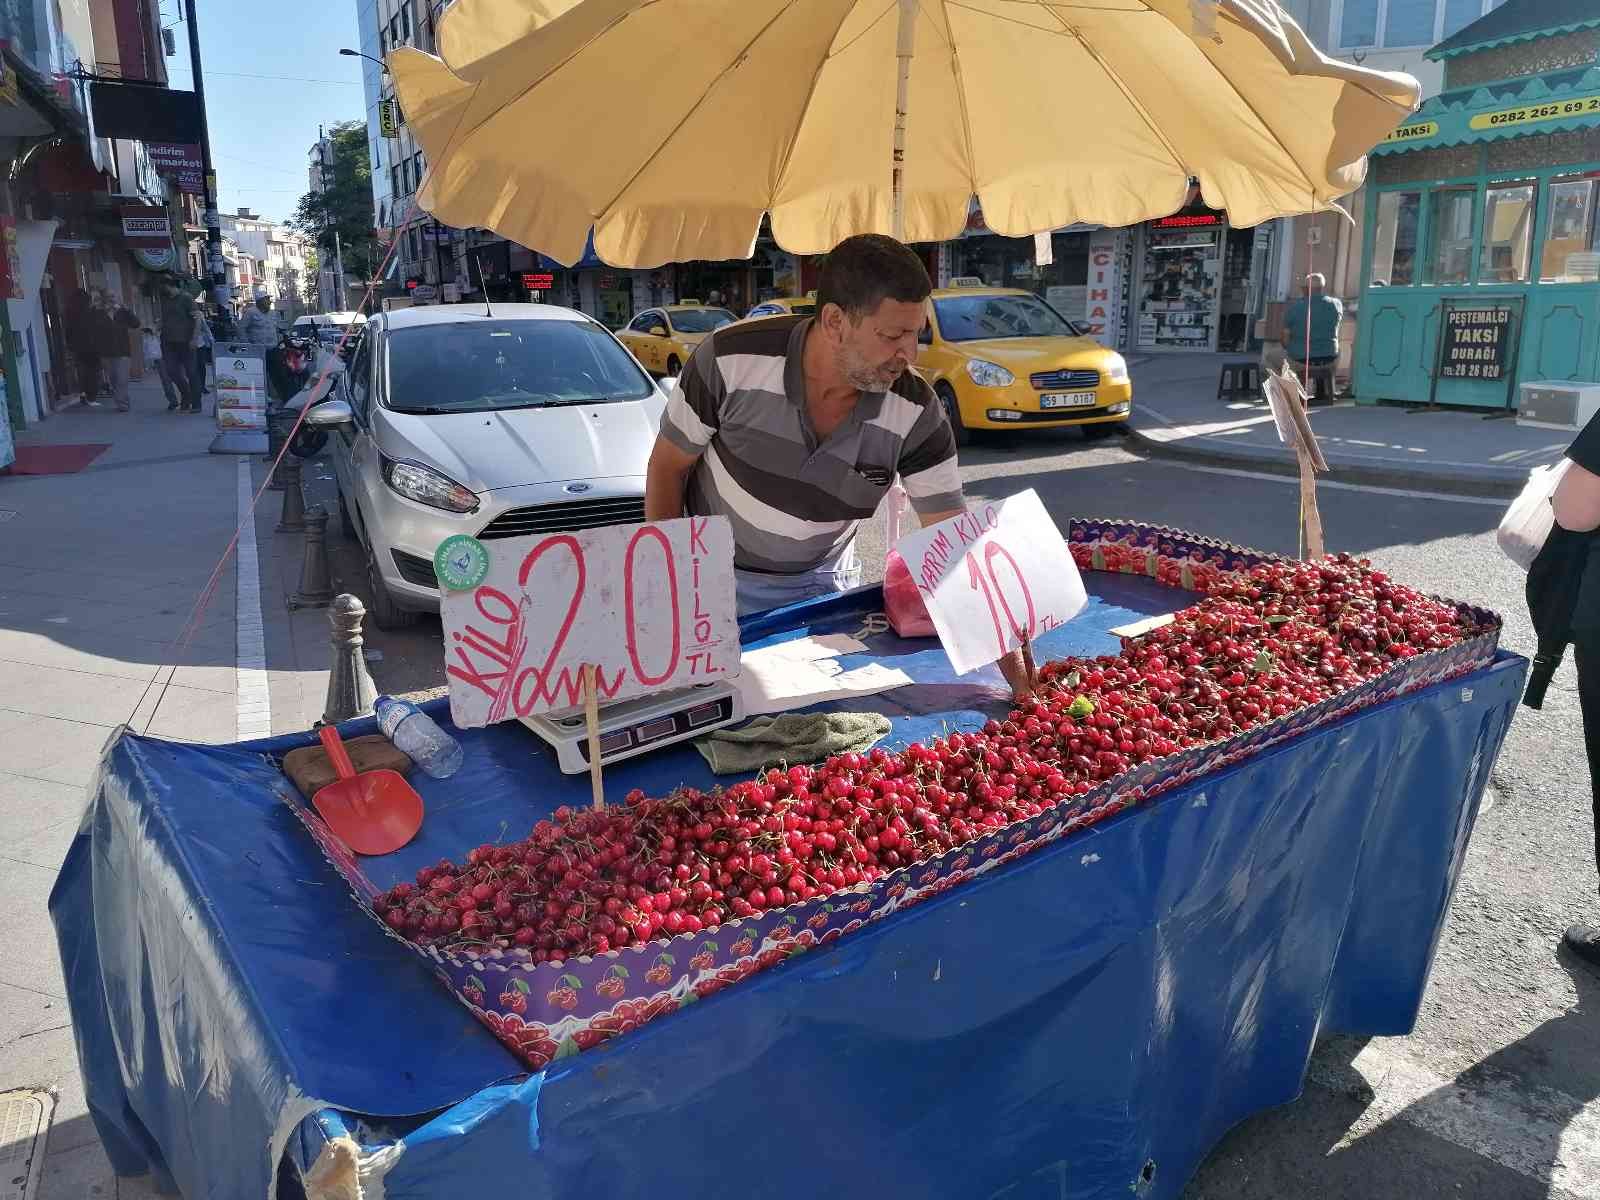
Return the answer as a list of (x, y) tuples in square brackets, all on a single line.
[(902, 602)]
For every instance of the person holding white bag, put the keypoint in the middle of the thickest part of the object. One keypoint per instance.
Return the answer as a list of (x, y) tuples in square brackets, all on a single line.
[(1563, 593)]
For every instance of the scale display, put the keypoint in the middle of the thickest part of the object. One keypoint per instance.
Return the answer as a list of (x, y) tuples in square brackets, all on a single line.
[(629, 728)]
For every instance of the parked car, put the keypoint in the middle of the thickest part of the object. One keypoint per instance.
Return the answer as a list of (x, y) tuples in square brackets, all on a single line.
[(529, 419), (785, 306), (1001, 358), (663, 338), (329, 327)]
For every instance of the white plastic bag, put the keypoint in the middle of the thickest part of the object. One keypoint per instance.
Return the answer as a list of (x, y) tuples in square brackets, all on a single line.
[(1528, 521), (897, 516)]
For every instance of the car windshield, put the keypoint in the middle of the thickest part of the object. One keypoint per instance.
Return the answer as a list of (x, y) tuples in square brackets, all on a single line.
[(700, 320), (480, 365), (968, 318)]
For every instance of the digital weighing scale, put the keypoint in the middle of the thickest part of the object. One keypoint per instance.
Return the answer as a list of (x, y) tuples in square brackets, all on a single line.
[(629, 728)]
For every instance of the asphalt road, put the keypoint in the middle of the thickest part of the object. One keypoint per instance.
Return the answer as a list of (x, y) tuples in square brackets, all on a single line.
[(1495, 1094)]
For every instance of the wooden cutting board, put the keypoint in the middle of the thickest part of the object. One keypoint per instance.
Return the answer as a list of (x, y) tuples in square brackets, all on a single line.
[(308, 767)]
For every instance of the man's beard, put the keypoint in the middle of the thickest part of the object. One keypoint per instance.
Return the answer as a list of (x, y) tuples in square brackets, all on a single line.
[(864, 376)]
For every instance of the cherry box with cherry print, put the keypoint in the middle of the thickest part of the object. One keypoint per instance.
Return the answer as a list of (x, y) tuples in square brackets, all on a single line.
[(546, 1010)]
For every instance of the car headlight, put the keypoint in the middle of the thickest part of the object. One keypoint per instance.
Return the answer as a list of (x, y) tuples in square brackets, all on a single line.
[(1116, 369), (988, 374), (427, 486)]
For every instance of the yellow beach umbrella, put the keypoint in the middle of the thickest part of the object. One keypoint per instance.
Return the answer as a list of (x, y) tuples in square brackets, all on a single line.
[(670, 126)]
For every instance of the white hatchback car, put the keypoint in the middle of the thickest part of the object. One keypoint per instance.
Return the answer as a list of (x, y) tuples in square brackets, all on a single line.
[(453, 419)]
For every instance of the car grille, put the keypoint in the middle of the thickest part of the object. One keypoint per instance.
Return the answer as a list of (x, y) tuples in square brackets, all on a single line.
[(1064, 381), (414, 570), (554, 518)]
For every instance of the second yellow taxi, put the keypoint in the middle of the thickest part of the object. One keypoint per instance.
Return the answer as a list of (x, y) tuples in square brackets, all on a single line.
[(663, 338), (1001, 358)]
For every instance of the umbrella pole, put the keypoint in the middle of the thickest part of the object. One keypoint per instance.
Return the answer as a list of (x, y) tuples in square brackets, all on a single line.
[(905, 47)]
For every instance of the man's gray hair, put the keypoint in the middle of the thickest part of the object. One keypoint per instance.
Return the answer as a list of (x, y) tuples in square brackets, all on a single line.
[(1315, 280)]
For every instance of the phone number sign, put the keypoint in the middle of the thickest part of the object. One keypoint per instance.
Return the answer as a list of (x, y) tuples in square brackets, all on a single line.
[(1476, 344), (1530, 114)]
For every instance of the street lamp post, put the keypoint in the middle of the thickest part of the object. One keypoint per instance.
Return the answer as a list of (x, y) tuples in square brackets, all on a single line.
[(349, 53)]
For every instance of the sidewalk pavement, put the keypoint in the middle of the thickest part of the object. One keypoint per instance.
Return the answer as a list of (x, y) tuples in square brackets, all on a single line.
[(99, 574), (1177, 414)]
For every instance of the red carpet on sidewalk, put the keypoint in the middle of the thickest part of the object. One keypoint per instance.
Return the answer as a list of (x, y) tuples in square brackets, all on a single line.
[(55, 460)]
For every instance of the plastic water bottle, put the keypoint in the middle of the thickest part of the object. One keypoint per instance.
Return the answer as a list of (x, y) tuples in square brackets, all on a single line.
[(419, 736)]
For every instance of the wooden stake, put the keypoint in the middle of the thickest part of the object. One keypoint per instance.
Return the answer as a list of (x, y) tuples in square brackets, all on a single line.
[(1310, 514), (591, 718)]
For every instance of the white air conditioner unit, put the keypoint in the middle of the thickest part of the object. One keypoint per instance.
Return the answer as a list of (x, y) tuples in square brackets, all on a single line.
[(1558, 405)]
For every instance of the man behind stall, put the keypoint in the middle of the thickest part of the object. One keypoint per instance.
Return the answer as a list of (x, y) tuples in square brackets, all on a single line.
[(794, 428)]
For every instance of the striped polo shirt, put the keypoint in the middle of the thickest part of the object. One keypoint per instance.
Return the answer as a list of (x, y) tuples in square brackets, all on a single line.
[(794, 500)]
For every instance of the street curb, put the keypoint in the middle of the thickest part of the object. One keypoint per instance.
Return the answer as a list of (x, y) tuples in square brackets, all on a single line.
[(1455, 483)]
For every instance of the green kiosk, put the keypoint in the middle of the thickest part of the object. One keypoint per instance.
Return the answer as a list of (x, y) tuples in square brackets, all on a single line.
[(1482, 264)]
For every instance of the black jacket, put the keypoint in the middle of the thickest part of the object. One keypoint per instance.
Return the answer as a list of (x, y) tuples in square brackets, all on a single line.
[(1554, 582)]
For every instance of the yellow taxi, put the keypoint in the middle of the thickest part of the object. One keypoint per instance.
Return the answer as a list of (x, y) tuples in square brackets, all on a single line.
[(663, 338), (1001, 358), (785, 306)]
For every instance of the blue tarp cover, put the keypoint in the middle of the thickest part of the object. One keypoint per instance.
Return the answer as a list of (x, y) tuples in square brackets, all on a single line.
[(1085, 1021)]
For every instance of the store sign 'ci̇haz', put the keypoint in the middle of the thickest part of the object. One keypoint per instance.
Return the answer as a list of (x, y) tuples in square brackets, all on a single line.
[(650, 607)]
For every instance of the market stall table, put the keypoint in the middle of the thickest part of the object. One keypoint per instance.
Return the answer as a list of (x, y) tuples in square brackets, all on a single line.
[(1088, 1020)]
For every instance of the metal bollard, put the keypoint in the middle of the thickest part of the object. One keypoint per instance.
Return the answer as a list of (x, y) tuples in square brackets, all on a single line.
[(350, 687), (316, 585), (277, 434), (293, 518)]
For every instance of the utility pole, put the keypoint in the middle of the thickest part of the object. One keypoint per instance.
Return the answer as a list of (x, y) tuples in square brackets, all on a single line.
[(213, 219), (338, 272)]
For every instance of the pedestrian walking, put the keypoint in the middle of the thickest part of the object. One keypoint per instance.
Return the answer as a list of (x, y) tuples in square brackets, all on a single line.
[(113, 325), (177, 349), (151, 341), (83, 341), (259, 326), (1563, 592), (203, 341)]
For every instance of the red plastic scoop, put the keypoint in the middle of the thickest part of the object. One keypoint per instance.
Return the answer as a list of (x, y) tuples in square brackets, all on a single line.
[(375, 812)]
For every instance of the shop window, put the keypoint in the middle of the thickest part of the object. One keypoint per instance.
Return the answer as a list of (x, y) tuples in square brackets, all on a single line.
[(1507, 233), (1359, 26), (1409, 23), (1458, 14), (1394, 257), (1570, 241), (1451, 236), (1396, 24)]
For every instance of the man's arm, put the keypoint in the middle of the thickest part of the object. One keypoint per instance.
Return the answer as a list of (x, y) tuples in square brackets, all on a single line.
[(932, 480), (664, 480), (688, 424), (1577, 500)]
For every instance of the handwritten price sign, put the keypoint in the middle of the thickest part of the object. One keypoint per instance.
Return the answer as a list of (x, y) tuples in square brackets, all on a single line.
[(995, 570), (650, 607)]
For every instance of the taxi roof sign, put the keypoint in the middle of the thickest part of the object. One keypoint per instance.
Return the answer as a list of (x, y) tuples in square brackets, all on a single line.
[(967, 281)]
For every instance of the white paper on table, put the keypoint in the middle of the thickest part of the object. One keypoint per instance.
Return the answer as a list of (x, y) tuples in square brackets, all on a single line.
[(810, 649), (780, 679)]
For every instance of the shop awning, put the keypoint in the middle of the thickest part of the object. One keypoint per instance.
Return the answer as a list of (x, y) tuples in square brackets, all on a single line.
[(1551, 103)]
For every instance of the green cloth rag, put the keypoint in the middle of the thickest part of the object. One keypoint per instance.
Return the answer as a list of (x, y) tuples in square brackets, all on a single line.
[(791, 738)]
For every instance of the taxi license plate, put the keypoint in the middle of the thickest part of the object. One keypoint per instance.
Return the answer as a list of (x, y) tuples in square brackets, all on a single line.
[(1067, 400)]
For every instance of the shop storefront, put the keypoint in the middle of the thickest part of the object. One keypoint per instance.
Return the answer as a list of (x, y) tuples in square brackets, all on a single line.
[(1198, 283), (1482, 266), (1010, 262)]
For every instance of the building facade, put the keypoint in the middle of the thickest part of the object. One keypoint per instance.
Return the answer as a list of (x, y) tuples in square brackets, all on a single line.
[(279, 259), (80, 214), (1481, 269)]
